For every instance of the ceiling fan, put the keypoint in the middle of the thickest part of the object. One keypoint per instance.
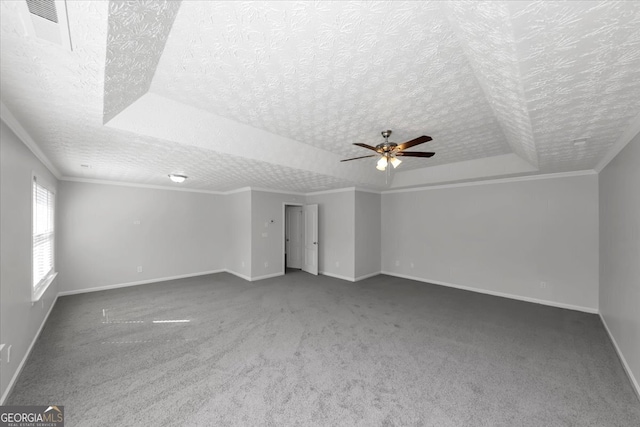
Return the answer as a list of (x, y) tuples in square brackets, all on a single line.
[(390, 151)]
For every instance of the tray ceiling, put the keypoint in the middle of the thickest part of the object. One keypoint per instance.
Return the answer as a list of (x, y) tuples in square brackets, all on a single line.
[(272, 94)]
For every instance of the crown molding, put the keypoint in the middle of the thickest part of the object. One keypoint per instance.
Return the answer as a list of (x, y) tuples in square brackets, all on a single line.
[(630, 132), (367, 190), (131, 184), (337, 190), (495, 181), (268, 190), (342, 190), (26, 139), (192, 190), (237, 190)]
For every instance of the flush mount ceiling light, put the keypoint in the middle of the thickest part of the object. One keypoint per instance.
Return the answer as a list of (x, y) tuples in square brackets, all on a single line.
[(388, 151), (177, 177)]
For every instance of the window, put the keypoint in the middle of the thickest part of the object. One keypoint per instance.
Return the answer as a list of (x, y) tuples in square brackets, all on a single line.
[(43, 238)]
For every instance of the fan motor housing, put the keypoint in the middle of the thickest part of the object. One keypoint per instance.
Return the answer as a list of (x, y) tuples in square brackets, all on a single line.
[(386, 147)]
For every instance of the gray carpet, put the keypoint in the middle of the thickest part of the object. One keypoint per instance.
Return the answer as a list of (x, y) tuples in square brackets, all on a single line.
[(305, 350)]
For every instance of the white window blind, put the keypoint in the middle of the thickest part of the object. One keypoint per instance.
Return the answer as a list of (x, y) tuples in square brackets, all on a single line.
[(43, 234)]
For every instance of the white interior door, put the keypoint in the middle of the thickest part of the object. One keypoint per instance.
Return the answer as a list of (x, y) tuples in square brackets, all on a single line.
[(294, 236), (310, 239)]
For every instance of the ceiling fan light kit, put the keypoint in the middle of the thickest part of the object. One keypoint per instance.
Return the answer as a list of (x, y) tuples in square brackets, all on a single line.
[(388, 151)]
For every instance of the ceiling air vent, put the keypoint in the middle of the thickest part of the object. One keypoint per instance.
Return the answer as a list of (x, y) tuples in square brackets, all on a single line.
[(46, 20), (43, 8)]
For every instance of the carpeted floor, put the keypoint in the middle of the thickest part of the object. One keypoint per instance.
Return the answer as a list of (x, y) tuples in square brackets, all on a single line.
[(306, 350)]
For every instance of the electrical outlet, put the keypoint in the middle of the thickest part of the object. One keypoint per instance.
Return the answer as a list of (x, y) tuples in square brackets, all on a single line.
[(543, 285), (139, 269), (266, 264)]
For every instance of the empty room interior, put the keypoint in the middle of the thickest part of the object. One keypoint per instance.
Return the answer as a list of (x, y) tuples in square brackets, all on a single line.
[(321, 213)]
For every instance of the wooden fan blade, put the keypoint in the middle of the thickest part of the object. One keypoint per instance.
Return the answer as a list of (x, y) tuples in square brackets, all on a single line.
[(419, 140), (360, 144), (356, 158), (415, 154)]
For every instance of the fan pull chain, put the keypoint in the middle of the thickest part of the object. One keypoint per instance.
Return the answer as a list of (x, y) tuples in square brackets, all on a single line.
[(387, 176)]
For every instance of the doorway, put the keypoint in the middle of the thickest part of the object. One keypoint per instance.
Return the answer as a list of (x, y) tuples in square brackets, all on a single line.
[(293, 237), (300, 238)]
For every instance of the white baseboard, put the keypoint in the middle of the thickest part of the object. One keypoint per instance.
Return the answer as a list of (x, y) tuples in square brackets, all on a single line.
[(497, 294), (366, 276), (625, 365), (267, 276), (627, 369), (336, 276), (164, 279), (141, 282), (240, 275), (349, 279), (26, 355)]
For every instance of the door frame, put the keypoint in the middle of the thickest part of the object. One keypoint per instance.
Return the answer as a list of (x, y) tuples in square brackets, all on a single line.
[(284, 231), (314, 238)]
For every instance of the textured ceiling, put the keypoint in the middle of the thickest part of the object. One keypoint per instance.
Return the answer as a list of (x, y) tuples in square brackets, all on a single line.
[(135, 42), (272, 94)]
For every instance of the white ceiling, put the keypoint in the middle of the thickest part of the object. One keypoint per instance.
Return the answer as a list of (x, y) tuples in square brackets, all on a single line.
[(272, 94)]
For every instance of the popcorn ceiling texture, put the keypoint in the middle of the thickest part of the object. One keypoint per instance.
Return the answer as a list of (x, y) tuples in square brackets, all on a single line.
[(329, 75), (206, 169), (135, 42), (483, 79), (580, 70), (490, 49)]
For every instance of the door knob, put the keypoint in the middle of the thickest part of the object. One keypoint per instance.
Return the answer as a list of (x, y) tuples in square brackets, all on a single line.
[(315, 243)]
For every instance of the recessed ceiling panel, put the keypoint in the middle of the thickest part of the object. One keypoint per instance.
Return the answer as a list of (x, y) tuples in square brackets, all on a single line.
[(486, 33), (330, 73), (580, 66), (484, 79)]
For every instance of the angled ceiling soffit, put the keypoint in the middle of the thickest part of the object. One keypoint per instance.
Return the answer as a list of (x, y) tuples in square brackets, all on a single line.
[(136, 37), (580, 68), (490, 47), (468, 170), (161, 118)]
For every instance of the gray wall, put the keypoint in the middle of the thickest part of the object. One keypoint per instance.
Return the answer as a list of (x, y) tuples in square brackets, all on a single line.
[(100, 244), (19, 319), (620, 252), (500, 237), (336, 233), (367, 234), (267, 238), (238, 226)]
